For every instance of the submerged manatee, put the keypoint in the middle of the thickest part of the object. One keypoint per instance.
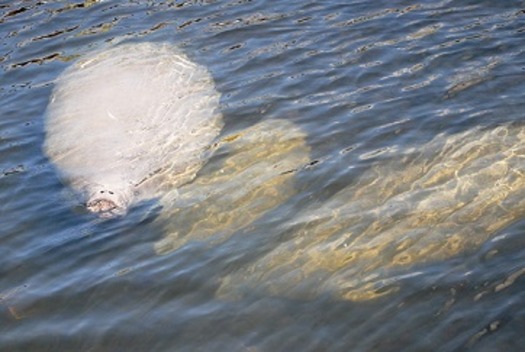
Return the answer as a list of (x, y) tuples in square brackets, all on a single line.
[(128, 123), (434, 202), (253, 171)]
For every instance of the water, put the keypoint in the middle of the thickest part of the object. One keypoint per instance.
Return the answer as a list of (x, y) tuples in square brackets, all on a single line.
[(386, 93)]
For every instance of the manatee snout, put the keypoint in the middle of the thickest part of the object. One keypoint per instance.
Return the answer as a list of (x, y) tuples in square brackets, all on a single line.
[(106, 204), (105, 208)]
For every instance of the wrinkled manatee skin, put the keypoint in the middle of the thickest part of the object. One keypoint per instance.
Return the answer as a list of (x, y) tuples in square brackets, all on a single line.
[(434, 202), (120, 120)]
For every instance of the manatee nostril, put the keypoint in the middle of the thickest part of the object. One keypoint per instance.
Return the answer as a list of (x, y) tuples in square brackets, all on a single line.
[(110, 192)]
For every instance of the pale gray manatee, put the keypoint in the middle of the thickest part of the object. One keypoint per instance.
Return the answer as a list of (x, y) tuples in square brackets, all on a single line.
[(130, 122), (430, 203)]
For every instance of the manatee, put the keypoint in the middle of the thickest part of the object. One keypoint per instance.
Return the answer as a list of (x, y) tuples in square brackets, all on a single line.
[(130, 122), (138, 122), (434, 202), (253, 171)]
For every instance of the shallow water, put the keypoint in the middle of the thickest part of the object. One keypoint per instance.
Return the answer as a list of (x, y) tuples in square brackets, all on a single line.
[(402, 105)]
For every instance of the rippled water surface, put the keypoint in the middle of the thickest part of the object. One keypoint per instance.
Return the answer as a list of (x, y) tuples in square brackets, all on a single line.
[(369, 196)]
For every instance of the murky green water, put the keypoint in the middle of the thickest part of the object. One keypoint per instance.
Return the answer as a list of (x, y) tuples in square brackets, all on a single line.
[(366, 192)]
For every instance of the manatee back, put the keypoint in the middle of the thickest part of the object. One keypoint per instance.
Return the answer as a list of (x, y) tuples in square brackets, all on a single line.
[(123, 116)]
